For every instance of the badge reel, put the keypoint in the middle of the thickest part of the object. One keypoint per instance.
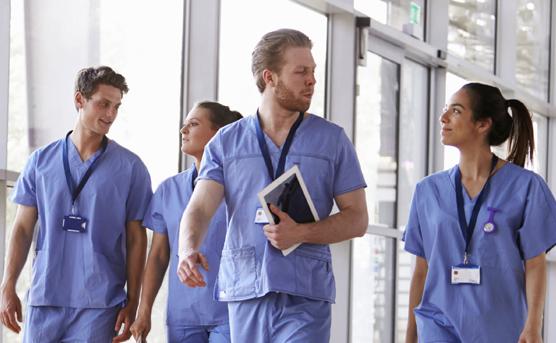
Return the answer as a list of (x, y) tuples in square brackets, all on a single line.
[(490, 226), (74, 222)]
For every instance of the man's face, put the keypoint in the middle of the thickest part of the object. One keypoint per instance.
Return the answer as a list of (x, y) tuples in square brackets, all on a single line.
[(295, 83), (97, 114)]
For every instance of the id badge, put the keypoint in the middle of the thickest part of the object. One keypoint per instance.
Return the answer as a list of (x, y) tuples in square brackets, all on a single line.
[(466, 274), (260, 216), (74, 223)]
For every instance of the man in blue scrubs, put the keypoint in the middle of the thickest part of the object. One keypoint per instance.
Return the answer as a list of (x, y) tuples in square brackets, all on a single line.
[(272, 297), (89, 195)]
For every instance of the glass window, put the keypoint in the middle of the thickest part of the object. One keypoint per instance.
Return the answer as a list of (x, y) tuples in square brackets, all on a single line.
[(413, 167), (236, 86), (25, 277), (149, 120), (404, 270), (413, 133), (376, 127), (372, 287), (18, 144), (405, 15), (453, 84), (533, 46), (471, 31), (393, 155)]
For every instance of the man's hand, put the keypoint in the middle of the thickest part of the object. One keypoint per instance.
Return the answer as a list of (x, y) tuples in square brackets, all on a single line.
[(188, 271), (284, 234), (126, 317), (141, 327), (10, 308)]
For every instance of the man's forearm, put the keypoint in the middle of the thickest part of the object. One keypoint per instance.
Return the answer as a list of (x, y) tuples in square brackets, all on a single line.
[(18, 251), (193, 226), (346, 224)]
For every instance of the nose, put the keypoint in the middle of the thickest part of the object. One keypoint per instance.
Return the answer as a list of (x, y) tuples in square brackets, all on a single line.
[(183, 130), (443, 116), (112, 112), (312, 80)]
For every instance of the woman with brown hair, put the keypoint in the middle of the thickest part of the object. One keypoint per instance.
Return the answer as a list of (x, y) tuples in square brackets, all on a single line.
[(481, 230)]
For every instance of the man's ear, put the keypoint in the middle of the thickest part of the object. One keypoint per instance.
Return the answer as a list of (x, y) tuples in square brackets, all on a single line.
[(269, 78), (79, 100)]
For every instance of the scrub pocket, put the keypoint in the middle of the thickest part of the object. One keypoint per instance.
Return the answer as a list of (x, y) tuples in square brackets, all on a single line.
[(237, 274), (313, 270)]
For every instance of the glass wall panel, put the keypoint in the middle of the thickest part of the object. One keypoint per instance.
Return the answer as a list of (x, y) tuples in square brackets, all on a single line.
[(18, 141), (471, 31), (25, 277), (413, 140), (149, 56), (453, 84), (376, 144), (533, 46), (372, 287), (376, 132), (413, 134), (236, 85), (405, 15), (404, 270)]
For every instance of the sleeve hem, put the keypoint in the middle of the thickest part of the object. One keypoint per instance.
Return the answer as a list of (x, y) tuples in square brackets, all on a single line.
[(414, 252), (25, 202), (206, 177), (537, 252), (351, 189)]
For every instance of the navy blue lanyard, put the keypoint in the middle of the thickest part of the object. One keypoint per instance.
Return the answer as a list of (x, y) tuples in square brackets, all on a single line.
[(193, 177), (285, 147), (467, 229), (75, 191)]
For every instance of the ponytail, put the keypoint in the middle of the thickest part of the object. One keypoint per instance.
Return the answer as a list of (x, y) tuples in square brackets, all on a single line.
[(522, 140), (487, 102)]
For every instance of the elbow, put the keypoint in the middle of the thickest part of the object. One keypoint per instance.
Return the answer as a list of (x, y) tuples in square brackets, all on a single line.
[(362, 224)]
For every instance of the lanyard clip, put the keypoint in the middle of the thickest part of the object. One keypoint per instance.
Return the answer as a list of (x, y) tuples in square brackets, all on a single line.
[(465, 258)]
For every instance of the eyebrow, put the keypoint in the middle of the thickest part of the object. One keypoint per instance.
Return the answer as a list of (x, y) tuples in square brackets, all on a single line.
[(457, 104), (110, 101)]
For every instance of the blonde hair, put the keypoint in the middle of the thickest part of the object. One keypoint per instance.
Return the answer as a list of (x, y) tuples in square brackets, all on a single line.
[(268, 53)]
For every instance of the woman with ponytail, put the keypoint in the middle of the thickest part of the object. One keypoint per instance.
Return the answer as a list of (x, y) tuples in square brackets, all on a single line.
[(192, 316), (480, 231)]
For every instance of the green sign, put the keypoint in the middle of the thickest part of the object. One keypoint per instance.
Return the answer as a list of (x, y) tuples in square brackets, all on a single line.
[(414, 13)]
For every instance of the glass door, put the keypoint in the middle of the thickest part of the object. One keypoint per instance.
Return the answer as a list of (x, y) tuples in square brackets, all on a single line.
[(391, 128)]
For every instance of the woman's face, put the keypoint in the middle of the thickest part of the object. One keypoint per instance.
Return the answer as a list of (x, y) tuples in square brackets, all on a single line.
[(196, 132), (457, 126)]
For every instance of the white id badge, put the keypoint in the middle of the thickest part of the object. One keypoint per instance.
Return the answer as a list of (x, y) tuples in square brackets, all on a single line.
[(260, 216), (466, 274)]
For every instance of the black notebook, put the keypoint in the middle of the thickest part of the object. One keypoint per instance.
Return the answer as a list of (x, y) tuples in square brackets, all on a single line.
[(289, 193)]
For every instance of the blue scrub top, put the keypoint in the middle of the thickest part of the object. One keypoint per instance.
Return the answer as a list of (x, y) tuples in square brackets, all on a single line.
[(82, 270), (495, 310), (188, 306), (250, 265)]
